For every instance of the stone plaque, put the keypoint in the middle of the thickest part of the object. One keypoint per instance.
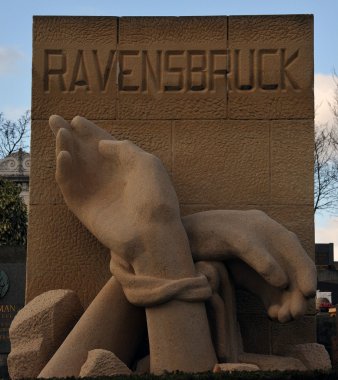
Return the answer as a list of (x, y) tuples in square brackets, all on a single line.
[(225, 102), (12, 301)]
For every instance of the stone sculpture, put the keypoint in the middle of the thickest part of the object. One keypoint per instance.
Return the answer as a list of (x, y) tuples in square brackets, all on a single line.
[(181, 271), (39, 329)]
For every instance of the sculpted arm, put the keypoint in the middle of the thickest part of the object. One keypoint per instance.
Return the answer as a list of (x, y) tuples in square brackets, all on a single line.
[(124, 196), (263, 256)]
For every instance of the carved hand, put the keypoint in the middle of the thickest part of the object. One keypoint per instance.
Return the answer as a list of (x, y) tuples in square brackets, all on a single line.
[(123, 195), (257, 249)]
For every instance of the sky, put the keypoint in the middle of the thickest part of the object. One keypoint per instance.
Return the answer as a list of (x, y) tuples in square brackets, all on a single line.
[(16, 48)]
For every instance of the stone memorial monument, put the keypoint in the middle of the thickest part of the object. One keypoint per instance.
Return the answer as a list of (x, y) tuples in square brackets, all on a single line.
[(201, 132)]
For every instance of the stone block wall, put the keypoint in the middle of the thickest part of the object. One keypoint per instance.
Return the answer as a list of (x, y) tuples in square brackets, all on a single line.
[(225, 102)]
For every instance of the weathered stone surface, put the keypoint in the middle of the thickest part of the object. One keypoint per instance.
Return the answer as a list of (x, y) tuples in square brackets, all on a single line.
[(255, 328), (293, 142), (273, 362), (298, 219), (124, 196), (103, 363), (71, 56), (313, 355), (232, 367), (275, 63), (297, 332), (43, 170), (258, 176), (188, 50), (39, 329), (229, 234), (75, 258), (267, 165), (110, 322), (143, 365), (221, 307), (204, 151), (248, 303), (153, 136)]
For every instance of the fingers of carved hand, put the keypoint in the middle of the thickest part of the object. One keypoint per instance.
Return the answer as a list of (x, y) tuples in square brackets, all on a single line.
[(64, 168), (293, 307), (286, 305), (80, 126), (298, 304), (56, 122), (272, 311), (284, 313), (259, 259), (64, 141), (308, 281), (300, 267), (123, 152), (86, 129), (288, 252), (305, 271), (64, 161)]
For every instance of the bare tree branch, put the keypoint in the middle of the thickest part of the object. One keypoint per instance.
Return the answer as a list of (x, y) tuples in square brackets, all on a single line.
[(326, 162), (13, 134)]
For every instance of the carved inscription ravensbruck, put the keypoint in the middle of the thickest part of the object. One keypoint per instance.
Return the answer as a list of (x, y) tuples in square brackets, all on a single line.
[(172, 71)]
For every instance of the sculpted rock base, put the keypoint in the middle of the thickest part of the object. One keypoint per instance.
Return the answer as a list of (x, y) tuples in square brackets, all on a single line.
[(272, 362), (110, 323), (143, 365), (231, 367), (312, 355), (103, 363), (39, 329)]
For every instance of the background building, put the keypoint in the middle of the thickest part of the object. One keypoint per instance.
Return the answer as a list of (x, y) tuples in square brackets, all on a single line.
[(16, 168)]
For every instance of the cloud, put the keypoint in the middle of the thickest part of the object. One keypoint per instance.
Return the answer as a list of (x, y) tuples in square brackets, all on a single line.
[(9, 57), (324, 94), (327, 232)]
